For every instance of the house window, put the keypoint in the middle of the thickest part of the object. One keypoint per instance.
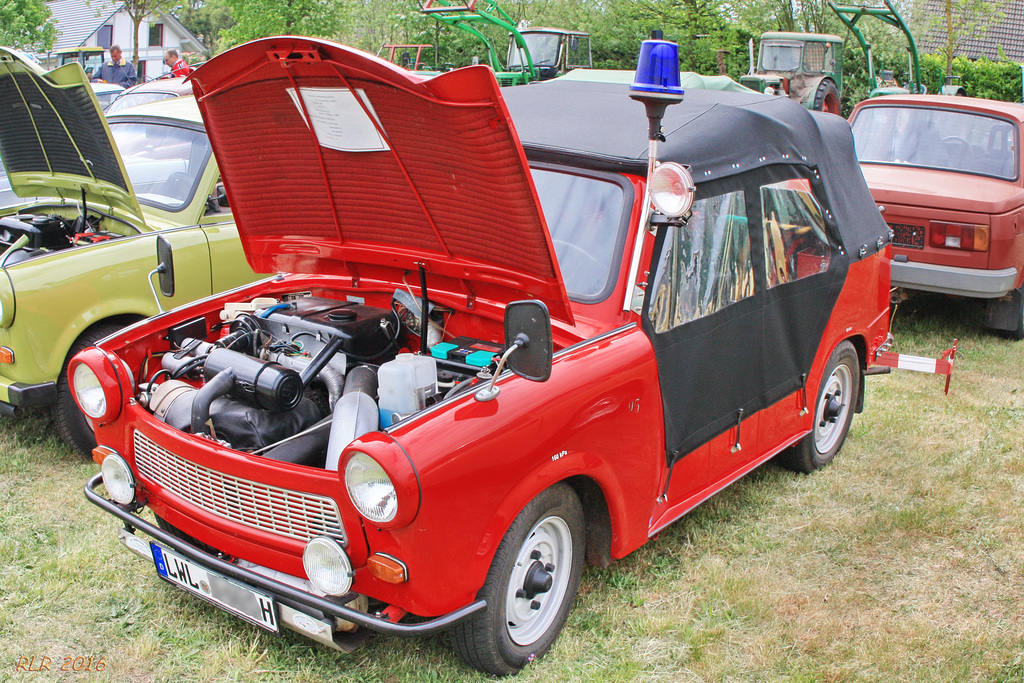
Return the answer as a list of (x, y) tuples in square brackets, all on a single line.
[(105, 37), (156, 35), (705, 265)]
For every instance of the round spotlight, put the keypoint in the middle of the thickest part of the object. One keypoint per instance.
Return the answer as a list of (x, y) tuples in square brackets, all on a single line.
[(672, 189), (327, 566), (118, 478)]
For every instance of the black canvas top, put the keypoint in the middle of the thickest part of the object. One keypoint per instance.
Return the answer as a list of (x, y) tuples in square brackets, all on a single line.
[(716, 134)]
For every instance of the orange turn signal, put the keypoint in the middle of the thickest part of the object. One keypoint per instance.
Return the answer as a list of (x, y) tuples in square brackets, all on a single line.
[(387, 568), (6, 355), (100, 453)]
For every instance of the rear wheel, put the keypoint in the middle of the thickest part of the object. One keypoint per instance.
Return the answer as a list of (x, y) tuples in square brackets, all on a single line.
[(530, 587), (833, 413), (72, 424), (826, 98)]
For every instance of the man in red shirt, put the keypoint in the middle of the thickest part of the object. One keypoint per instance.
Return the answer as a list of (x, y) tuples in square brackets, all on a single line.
[(177, 65)]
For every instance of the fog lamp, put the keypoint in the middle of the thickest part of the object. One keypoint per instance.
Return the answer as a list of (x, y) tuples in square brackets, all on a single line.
[(371, 489), (327, 566), (89, 392), (672, 188), (118, 479)]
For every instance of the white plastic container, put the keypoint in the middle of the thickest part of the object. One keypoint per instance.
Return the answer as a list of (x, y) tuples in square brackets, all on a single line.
[(404, 385)]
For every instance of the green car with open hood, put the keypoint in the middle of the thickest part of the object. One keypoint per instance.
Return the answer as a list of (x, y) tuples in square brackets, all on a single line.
[(77, 250)]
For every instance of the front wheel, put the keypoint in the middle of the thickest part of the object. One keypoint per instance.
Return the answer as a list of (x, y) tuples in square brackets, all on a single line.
[(530, 587), (833, 413)]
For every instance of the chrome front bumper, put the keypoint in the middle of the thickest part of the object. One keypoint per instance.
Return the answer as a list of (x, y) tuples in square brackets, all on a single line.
[(293, 600)]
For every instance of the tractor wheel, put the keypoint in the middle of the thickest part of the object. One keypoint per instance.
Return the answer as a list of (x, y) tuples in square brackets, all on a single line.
[(826, 99)]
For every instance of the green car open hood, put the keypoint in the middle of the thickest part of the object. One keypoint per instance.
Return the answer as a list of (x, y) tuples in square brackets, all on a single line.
[(54, 139), (336, 162)]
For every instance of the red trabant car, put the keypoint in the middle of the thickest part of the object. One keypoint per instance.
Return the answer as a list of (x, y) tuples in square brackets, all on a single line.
[(494, 356), (946, 172)]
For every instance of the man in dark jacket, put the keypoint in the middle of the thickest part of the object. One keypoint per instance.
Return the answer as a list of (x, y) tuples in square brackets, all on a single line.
[(116, 70)]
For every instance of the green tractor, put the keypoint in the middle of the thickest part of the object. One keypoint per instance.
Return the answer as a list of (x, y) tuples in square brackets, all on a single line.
[(885, 83), (534, 54), (806, 67)]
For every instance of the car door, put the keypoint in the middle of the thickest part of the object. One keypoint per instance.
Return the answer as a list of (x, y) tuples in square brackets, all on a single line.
[(739, 299)]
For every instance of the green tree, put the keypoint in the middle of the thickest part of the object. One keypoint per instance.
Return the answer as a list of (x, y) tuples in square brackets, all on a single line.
[(261, 18), (206, 20), (957, 21), (26, 24)]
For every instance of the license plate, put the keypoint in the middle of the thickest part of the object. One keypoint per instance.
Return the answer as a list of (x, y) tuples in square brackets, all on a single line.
[(904, 235), (242, 601)]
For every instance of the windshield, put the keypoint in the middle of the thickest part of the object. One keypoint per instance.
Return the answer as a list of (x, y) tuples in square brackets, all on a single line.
[(134, 99), (937, 138), (164, 163), (543, 50), (780, 56), (7, 196), (587, 218)]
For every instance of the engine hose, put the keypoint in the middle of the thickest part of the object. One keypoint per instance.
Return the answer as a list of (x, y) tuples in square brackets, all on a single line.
[(333, 381), (460, 387), (218, 386), (362, 378)]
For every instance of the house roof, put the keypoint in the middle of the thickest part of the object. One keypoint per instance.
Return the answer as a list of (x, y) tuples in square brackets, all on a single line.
[(77, 20), (1006, 32)]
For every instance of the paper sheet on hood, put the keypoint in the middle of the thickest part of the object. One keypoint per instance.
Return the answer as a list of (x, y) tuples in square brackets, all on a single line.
[(339, 120)]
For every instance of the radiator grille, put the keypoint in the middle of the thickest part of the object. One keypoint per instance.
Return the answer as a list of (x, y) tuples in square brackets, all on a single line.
[(276, 510)]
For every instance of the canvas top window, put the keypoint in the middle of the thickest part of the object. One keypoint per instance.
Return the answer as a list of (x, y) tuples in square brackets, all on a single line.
[(796, 243), (705, 265)]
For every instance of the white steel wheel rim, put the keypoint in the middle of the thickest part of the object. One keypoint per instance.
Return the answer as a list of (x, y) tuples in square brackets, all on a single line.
[(828, 432), (551, 540)]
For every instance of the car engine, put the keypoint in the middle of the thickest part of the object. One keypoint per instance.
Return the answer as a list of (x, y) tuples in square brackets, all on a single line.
[(24, 236), (297, 379)]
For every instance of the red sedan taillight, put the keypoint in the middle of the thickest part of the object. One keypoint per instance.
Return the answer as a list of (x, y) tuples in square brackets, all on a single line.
[(959, 236)]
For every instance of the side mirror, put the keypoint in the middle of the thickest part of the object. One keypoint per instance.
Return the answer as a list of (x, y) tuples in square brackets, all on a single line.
[(528, 326), (165, 266), (528, 345)]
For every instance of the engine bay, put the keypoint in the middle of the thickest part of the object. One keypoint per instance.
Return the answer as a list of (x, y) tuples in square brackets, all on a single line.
[(26, 235), (297, 377)]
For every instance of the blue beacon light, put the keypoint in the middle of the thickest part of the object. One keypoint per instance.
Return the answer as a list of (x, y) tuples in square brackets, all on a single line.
[(656, 84)]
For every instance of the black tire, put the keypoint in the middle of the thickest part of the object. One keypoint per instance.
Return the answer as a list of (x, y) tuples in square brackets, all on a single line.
[(543, 547), (826, 98), (1017, 333), (833, 413), (72, 424)]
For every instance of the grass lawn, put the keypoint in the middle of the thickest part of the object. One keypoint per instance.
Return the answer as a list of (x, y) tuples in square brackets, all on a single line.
[(902, 561)]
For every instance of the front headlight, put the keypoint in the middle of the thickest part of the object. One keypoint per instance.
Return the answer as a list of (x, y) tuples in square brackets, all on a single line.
[(89, 392), (118, 479), (327, 566), (370, 489)]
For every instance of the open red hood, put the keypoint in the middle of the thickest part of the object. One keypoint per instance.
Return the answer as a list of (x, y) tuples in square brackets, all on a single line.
[(406, 171)]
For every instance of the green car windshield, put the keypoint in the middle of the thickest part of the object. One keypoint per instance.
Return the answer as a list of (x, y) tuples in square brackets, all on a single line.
[(164, 163)]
